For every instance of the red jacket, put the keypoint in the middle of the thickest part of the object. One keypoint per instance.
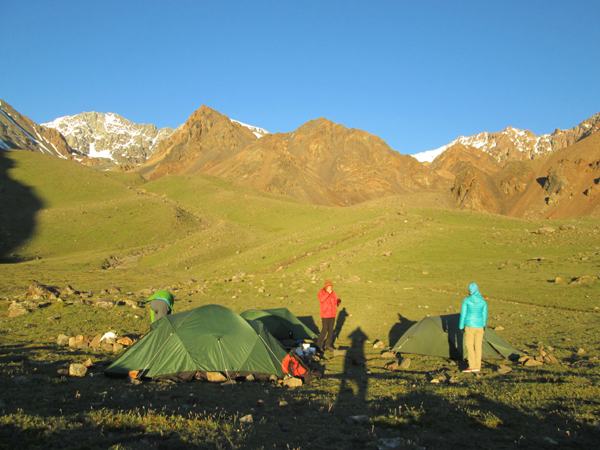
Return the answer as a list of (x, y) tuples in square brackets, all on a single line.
[(328, 304)]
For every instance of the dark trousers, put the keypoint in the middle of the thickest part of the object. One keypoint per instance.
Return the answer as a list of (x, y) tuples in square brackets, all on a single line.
[(326, 331)]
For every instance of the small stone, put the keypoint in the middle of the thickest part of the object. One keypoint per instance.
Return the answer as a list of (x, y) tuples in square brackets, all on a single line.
[(95, 342), (337, 353), (435, 381), (260, 403), (550, 348), (125, 341), (378, 344), (21, 379), (62, 340), (503, 370), (405, 364), (356, 419), (533, 363), (558, 280), (388, 355), (106, 346), (581, 351), (247, 419), (453, 380), (551, 359), (117, 347), (250, 378), (77, 370), (499, 329), (229, 384), (283, 403), (62, 372), (215, 377), (88, 363), (292, 382)]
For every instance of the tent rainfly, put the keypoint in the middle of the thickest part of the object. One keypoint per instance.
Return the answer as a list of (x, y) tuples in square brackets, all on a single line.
[(209, 338), (440, 336), (281, 323)]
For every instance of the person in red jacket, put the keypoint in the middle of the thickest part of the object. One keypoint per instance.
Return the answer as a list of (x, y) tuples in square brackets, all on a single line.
[(329, 303)]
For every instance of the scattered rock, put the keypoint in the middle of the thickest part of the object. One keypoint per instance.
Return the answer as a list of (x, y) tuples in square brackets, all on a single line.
[(77, 370), (356, 419), (21, 379), (104, 303), (250, 378), (503, 370), (545, 230), (292, 382), (453, 380), (581, 351), (117, 347), (247, 419), (17, 309), (95, 342), (62, 340), (551, 359), (378, 344), (388, 355), (125, 341), (499, 329), (558, 280), (283, 403), (337, 353), (533, 363), (88, 363), (405, 364), (386, 254), (215, 377)]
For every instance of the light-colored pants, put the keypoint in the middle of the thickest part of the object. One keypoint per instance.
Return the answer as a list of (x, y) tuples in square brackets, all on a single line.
[(473, 344)]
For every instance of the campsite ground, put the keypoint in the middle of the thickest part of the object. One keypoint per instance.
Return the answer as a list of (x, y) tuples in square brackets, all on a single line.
[(391, 264)]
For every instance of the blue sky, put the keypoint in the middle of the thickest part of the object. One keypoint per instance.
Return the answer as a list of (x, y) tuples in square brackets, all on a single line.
[(416, 73)]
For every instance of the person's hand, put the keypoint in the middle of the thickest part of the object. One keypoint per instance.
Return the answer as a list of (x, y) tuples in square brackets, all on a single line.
[(462, 331), (339, 301)]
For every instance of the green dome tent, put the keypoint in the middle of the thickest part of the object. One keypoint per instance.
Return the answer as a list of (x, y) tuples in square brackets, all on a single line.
[(209, 338), (281, 323), (440, 336)]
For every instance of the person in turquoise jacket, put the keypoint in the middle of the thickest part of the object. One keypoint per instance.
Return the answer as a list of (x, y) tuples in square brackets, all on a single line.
[(161, 304), (473, 318)]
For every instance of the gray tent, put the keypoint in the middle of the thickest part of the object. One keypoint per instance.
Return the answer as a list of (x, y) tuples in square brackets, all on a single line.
[(440, 336)]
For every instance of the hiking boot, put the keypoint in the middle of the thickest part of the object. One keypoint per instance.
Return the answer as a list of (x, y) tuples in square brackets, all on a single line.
[(470, 370)]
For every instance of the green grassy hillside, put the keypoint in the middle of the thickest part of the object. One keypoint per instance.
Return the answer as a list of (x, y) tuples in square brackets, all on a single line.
[(392, 263)]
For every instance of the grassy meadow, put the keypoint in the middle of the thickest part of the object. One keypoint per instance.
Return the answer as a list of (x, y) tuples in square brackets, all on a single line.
[(393, 261)]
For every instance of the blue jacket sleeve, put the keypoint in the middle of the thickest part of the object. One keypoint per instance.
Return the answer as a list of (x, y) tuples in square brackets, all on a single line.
[(463, 315)]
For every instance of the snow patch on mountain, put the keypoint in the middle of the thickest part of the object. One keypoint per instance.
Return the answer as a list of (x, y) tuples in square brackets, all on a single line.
[(110, 136), (258, 132)]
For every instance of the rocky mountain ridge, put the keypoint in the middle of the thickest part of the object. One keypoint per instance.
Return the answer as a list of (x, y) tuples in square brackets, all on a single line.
[(110, 136), (512, 144), (19, 132)]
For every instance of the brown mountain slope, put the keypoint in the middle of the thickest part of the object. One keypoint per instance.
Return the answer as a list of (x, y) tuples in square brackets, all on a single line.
[(207, 138), (321, 162), (20, 132), (562, 184)]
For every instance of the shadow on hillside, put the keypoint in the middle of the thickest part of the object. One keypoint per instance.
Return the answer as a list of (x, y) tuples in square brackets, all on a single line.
[(399, 329), (18, 207)]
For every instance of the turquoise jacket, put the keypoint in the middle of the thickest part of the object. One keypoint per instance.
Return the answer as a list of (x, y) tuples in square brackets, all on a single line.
[(473, 312)]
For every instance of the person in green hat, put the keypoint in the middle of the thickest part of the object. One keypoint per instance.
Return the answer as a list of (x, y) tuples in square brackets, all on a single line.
[(161, 304)]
